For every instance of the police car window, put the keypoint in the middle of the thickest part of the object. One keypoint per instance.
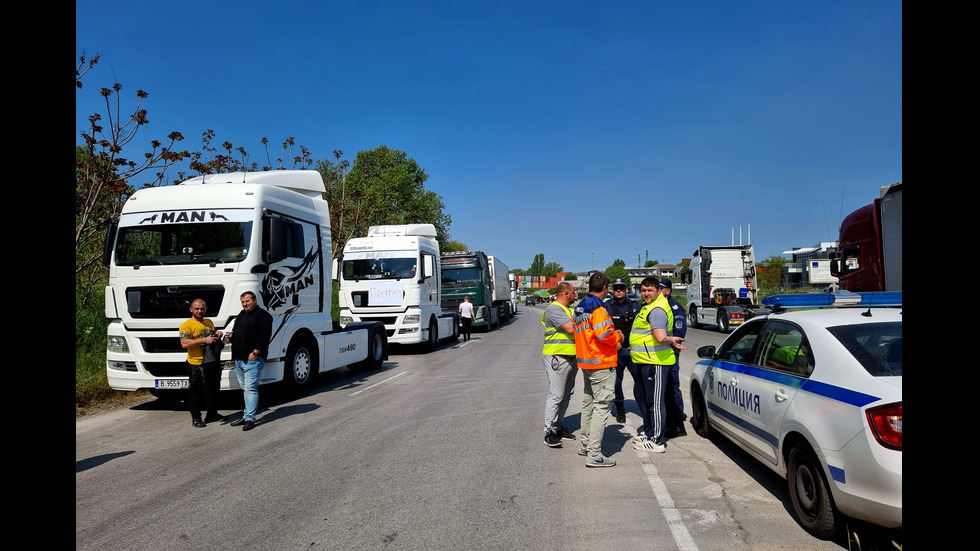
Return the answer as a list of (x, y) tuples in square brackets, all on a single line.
[(786, 349), (740, 346), (876, 346)]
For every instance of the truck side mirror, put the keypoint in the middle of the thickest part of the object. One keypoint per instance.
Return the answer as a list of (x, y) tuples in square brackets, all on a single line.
[(111, 225)]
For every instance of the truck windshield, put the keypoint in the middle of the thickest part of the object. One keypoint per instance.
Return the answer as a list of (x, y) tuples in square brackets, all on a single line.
[(380, 268), (183, 243), (460, 277)]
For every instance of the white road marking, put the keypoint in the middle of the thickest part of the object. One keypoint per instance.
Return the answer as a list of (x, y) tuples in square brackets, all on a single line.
[(379, 383)]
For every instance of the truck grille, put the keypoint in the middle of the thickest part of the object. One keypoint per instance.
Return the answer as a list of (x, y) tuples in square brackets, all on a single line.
[(171, 301)]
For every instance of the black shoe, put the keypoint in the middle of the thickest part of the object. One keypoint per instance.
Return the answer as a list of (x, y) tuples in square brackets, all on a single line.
[(620, 416), (681, 431), (249, 425), (237, 422), (565, 435), (553, 440), (213, 418), (199, 423)]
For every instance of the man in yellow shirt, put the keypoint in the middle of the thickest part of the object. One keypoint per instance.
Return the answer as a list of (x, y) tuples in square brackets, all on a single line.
[(205, 378)]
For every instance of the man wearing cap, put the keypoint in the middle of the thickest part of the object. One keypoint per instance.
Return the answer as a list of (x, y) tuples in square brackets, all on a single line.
[(674, 426), (622, 310)]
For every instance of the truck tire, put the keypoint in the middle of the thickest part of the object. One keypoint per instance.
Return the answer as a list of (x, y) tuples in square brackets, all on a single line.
[(302, 365), (692, 317), (722, 320), (455, 336), (433, 341), (376, 350)]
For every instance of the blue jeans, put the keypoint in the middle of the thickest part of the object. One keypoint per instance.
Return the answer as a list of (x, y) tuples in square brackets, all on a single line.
[(249, 372)]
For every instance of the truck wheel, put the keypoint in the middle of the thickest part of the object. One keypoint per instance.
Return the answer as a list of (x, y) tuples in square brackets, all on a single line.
[(376, 351), (723, 321), (455, 336), (302, 365), (692, 317), (433, 340), (812, 503)]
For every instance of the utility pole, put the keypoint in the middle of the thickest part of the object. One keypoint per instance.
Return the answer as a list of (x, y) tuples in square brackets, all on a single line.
[(593, 260)]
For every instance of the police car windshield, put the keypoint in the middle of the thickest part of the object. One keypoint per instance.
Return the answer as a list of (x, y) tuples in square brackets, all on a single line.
[(877, 346), (183, 243)]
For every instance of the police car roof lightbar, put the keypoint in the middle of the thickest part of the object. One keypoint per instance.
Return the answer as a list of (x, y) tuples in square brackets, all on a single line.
[(833, 300)]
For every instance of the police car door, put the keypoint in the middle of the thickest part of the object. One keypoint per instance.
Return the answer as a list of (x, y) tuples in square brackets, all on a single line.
[(781, 365), (724, 397)]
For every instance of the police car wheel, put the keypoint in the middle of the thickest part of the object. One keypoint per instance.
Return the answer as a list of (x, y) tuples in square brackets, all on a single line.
[(812, 503), (699, 413)]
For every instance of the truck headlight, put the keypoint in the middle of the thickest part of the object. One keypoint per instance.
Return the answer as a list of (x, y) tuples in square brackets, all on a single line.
[(117, 344), (344, 320), (411, 318)]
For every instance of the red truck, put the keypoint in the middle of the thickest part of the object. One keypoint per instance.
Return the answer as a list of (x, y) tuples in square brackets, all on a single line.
[(869, 250)]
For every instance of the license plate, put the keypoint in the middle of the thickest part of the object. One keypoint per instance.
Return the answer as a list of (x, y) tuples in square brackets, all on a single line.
[(173, 384)]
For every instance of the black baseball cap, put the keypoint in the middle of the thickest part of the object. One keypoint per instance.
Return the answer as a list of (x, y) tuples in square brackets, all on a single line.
[(619, 283)]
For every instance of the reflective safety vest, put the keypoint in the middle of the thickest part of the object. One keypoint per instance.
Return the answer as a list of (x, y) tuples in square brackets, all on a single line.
[(556, 341), (643, 347)]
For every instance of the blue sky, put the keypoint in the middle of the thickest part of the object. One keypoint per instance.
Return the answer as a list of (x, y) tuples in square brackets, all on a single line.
[(587, 131)]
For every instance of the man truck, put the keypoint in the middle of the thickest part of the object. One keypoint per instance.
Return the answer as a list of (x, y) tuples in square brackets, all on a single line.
[(214, 237), (393, 276), (482, 278), (869, 250), (723, 290)]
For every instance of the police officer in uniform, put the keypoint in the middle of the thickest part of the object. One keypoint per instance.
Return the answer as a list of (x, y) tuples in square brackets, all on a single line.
[(622, 311)]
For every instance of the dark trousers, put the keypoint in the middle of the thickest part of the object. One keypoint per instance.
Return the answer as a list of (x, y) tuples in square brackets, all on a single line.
[(623, 363), (467, 322), (653, 380), (205, 383), (674, 399)]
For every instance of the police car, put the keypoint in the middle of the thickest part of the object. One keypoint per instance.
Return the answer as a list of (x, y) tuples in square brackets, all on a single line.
[(815, 395)]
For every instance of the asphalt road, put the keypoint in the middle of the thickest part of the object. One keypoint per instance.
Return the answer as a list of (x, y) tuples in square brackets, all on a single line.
[(437, 451)]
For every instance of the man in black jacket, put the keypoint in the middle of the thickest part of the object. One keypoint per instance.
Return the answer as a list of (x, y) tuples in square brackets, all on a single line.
[(622, 311), (249, 349)]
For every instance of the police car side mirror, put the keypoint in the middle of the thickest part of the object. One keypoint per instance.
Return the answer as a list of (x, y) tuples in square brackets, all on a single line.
[(706, 352)]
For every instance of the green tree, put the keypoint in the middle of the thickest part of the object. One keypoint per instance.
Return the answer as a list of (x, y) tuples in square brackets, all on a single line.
[(552, 269), (618, 271), (537, 265), (382, 186), (453, 246), (771, 279), (649, 263)]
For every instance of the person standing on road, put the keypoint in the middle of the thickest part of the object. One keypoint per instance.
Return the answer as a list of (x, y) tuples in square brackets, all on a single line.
[(466, 316), (249, 349), (596, 345), (652, 347), (559, 363), (204, 377), (622, 310), (674, 399)]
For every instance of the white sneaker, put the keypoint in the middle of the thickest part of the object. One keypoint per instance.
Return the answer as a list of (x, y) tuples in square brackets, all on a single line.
[(640, 438), (650, 446), (599, 461)]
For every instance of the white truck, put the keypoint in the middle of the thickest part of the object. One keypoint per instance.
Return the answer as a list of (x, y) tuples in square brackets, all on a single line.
[(393, 276), (723, 290), (501, 289), (215, 237)]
